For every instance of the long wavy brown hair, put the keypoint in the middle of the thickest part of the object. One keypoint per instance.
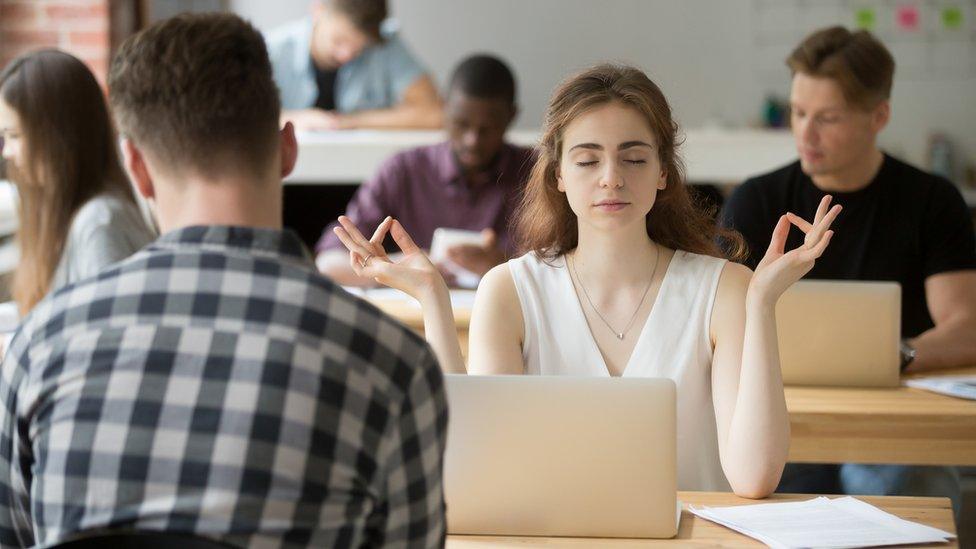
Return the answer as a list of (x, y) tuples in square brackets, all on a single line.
[(544, 222), (70, 155)]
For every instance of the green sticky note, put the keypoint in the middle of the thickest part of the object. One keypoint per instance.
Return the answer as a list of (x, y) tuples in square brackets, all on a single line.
[(864, 18), (952, 18)]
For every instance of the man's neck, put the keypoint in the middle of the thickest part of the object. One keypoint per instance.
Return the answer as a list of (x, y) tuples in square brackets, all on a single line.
[(479, 174), (235, 203), (853, 178)]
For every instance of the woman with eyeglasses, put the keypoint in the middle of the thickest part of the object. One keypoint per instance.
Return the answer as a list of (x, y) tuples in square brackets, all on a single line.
[(77, 212)]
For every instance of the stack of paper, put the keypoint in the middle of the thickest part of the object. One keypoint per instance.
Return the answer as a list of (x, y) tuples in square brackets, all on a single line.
[(957, 386), (821, 522)]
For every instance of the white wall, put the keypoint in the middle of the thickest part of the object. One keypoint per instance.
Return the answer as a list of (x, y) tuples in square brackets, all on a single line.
[(715, 60)]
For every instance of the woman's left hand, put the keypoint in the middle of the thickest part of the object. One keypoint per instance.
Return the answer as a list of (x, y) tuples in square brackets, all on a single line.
[(779, 269)]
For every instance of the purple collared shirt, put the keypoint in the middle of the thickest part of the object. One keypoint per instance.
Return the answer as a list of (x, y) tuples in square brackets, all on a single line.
[(424, 188)]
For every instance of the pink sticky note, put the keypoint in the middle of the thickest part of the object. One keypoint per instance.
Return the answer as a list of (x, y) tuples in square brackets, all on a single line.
[(907, 17)]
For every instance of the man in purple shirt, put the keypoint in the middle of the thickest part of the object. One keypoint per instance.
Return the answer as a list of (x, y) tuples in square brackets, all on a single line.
[(472, 181)]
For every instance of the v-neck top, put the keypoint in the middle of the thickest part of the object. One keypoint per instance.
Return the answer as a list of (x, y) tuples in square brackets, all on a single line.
[(673, 343)]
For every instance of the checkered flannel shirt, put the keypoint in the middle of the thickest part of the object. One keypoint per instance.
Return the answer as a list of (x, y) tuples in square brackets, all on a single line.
[(215, 384)]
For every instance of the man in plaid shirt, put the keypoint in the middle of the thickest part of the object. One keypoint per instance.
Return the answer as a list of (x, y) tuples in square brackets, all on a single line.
[(214, 384)]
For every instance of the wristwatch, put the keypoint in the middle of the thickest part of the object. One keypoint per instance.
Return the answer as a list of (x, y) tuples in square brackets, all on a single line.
[(907, 354)]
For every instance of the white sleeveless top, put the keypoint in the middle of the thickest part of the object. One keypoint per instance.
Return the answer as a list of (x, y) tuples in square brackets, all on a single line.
[(673, 343)]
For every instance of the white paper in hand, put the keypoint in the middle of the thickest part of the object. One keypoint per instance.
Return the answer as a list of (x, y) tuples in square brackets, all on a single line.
[(443, 240)]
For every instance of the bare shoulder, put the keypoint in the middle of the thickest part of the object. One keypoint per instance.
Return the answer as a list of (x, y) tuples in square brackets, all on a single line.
[(498, 296), (735, 277), (497, 327)]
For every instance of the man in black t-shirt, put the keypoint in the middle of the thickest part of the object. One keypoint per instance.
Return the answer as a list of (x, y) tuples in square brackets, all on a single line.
[(898, 224)]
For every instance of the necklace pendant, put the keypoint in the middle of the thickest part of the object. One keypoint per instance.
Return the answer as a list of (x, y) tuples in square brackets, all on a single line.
[(620, 336)]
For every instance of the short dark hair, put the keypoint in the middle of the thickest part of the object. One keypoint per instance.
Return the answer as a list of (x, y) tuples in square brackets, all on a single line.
[(196, 91), (365, 15), (857, 61), (485, 77)]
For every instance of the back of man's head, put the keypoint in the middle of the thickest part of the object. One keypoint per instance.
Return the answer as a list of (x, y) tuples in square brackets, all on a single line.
[(195, 93), (484, 77), (365, 15), (857, 61)]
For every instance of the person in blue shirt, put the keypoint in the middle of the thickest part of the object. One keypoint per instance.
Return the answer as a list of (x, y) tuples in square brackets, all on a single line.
[(345, 67)]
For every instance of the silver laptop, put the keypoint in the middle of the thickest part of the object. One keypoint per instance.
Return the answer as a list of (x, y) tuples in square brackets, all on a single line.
[(840, 333), (561, 456)]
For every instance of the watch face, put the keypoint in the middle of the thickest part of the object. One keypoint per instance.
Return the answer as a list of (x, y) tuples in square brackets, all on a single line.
[(907, 349), (907, 353)]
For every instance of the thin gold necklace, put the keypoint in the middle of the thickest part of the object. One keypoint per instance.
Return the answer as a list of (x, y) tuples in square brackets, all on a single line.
[(620, 335)]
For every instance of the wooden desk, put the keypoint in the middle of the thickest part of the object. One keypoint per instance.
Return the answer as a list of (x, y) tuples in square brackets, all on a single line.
[(840, 425), (408, 312), (902, 425), (693, 531)]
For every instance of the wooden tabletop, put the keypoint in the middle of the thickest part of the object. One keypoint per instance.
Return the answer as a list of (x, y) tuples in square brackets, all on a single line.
[(902, 425), (408, 312), (841, 425), (694, 531)]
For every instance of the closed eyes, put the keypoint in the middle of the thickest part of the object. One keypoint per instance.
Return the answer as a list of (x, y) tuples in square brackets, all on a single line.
[(594, 162)]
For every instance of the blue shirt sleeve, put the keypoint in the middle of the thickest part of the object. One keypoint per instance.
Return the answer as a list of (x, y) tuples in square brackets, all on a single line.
[(291, 64)]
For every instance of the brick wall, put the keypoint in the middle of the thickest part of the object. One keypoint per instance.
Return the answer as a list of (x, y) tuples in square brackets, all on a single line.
[(80, 27)]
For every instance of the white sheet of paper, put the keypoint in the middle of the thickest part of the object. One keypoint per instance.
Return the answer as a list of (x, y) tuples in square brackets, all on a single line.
[(821, 522), (957, 386)]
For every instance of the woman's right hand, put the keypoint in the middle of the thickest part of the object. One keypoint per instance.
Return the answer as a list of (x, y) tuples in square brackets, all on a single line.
[(413, 274)]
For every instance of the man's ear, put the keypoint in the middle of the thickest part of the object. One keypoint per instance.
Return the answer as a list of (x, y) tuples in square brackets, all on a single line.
[(880, 116), (512, 116), (135, 165), (288, 149)]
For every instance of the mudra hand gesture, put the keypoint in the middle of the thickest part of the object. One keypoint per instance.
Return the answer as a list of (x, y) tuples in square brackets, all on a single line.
[(779, 269), (413, 273)]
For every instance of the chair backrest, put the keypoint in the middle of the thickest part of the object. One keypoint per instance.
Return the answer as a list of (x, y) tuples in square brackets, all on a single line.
[(141, 540)]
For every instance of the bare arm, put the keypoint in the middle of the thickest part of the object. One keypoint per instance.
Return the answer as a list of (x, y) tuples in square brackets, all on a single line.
[(439, 328), (412, 274), (419, 108), (747, 384), (951, 343), (497, 326), (747, 387)]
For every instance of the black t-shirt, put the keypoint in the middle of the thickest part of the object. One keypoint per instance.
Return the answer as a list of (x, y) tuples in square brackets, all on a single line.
[(905, 226), (326, 82)]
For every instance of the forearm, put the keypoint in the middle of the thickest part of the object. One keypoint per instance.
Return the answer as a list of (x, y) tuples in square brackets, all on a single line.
[(440, 330), (950, 344), (759, 431), (422, 116)]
